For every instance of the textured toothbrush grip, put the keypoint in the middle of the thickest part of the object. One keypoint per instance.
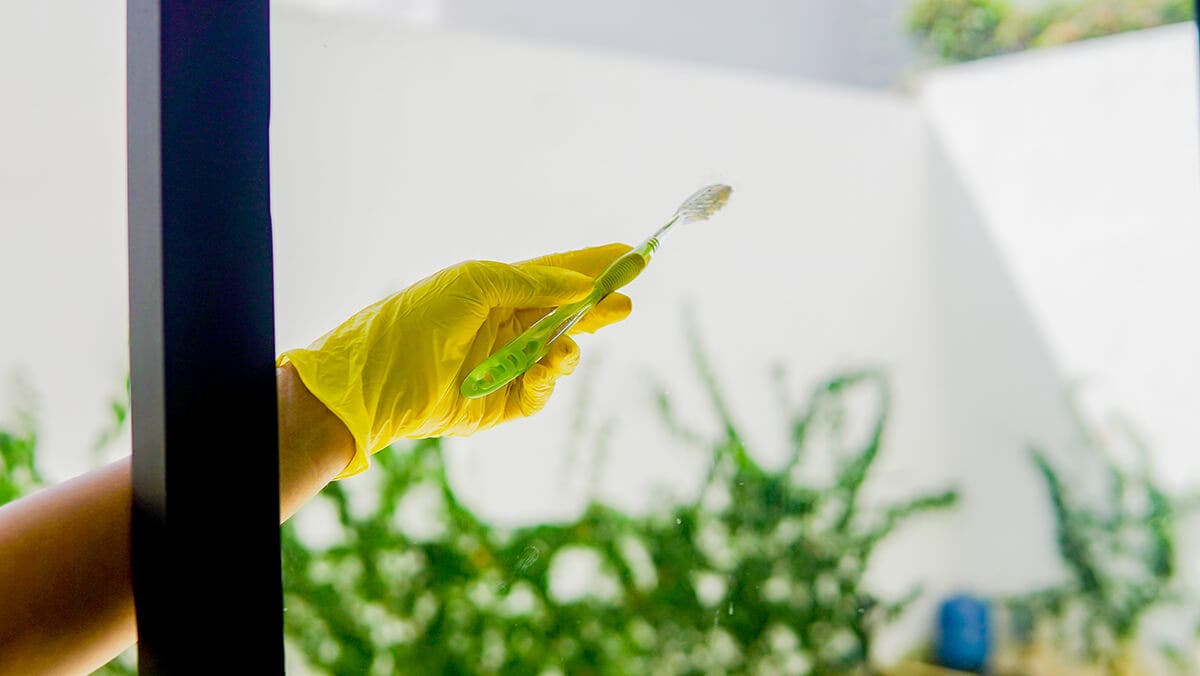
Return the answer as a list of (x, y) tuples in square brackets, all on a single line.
[(510, 361), (622, 271)]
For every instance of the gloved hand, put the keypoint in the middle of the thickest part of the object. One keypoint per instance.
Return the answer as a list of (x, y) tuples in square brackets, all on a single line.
[(394, 369)]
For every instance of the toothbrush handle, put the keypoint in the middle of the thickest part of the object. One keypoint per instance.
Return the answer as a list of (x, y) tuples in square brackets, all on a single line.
[(526, 349)]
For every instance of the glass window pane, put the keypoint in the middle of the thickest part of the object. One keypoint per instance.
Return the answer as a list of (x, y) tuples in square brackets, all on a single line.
[(918, 395)]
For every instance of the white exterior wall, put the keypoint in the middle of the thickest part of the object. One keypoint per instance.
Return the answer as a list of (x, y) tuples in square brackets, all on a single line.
[(1082, 164), (63, 283)]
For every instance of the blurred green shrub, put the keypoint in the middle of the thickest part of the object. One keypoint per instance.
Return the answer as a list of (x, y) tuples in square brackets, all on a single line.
[(963, 30), (1119, 550), (19, 474), (761, 573)]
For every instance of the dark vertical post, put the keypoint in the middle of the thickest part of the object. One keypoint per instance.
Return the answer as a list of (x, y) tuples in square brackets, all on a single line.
[(205, 462)]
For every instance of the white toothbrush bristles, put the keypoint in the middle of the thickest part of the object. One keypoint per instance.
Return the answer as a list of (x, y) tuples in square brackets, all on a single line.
[(704, 202)]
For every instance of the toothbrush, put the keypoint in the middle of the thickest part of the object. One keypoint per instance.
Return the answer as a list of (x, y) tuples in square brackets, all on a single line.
[(525, 350)]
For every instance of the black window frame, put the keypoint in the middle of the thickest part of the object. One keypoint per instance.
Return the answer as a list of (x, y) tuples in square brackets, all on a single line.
[(205, 529)]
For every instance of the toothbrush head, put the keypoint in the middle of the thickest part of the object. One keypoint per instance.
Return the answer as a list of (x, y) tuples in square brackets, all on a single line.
[(704, 203)]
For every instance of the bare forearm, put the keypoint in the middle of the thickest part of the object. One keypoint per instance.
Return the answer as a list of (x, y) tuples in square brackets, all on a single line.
[(314, 446), (65, 584), (66, 590)]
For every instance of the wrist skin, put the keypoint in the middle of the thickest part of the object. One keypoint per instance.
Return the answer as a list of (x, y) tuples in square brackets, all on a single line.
[(314, 445)]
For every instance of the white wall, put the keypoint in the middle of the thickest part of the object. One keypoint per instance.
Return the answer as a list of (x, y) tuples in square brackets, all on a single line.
[(1083, 162), (1003, 395), (63, 287), (447, 148), (1071, 176)]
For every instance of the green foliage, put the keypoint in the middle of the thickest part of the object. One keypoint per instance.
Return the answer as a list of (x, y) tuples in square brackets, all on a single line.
[(1119, 552), (773, 578), (959, 30), (19, 474), (760, 572), (963, 30), (118, 408)]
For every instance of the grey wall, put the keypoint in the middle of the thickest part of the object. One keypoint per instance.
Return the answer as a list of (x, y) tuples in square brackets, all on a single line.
[(858, 42)]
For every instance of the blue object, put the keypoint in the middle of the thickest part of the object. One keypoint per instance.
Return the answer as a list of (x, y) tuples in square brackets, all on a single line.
[(964, 634)]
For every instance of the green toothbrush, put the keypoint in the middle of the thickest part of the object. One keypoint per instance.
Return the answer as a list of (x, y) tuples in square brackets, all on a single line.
[(526, 349)]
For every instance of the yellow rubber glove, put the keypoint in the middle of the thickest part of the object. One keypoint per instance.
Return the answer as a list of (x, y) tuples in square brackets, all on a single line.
[(394, 369)]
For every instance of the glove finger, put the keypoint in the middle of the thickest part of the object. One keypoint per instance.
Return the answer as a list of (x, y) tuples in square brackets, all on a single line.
[(537, 383), (563, 356), (503, 285), (614, 308), (590, 261), (536, 386), (527, 316)]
